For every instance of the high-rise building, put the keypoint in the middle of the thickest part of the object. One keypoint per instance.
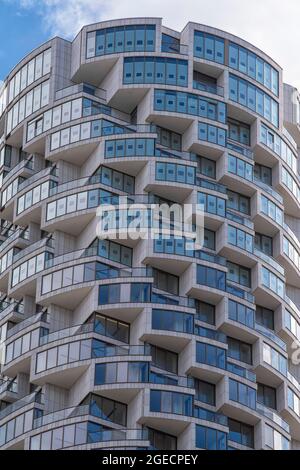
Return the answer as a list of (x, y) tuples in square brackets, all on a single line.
[(149, 343)]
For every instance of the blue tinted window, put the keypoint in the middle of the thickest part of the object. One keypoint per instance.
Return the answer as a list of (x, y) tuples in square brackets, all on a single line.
[(124, 39), (140, 292), (241, 433), (119, 39), (189, 103), (242, 393), (100, 43), (212, 204), (171, 402), (210, 439), (211, 355), (170, 44), (109, 294), (241, 314), (250, 64), (175, 173), (209, 47), (159, 70), (172, 321), (253, 98), (212, 134)]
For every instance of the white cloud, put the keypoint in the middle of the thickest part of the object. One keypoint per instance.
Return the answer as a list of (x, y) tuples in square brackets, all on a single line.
[(271, 25)]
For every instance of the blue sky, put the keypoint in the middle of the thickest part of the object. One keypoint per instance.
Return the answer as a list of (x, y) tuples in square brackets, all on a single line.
[(271, 25), (20, 31)]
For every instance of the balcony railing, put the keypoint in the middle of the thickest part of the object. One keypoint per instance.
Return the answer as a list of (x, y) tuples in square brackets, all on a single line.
[(210, 334), (80, 88), (37, 176), (8, 385), (268, 259), (246, 152), (271, 335), (210, 257), (170, 379), (40, 316), (294, 237), (212, 416), (268, 413), (117, 435), (269, 190), (9, 307), (239, 292), (34, 397), (14, 235), (174, 48), (241, 371), (44, 242), (164, 298), (60, 415), (208, 88), (239, 219), (207, 184)]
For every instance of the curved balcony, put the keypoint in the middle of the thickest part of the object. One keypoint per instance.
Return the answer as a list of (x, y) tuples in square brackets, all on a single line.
[(8, 390), (272, 369), (96, 323), (288, 184), (81, 206), (175, 328), (11, 310), (132, 154), (289, 327), (290, 409), (25, 272), (12, 184), (208, 88), (80, 140), (273, 147), (79, 355), (180, 109), (67, 110), (213, 205), (274, 417), (41, 316), (17, 113), (288, 250), (165, 177), (176, 254), (19, 347), (268, 218), (206, 280), (18, 237), (206, 138), (69, 285), (108, 438), (236, 244), (178, 412), (269, 286), (17, 421), (29, 201), (239, 400)]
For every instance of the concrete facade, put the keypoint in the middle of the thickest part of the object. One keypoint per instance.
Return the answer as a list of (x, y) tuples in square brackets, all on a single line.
[(140, 343)]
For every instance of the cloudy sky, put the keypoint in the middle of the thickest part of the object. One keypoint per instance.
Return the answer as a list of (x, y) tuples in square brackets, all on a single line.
[(271, 25)]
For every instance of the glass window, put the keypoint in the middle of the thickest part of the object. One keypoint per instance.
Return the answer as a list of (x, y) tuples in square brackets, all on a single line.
[(205, 312), (265, 317), (205, 392), (266, 396), (239, 350), (241, 433), (210, 439)]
